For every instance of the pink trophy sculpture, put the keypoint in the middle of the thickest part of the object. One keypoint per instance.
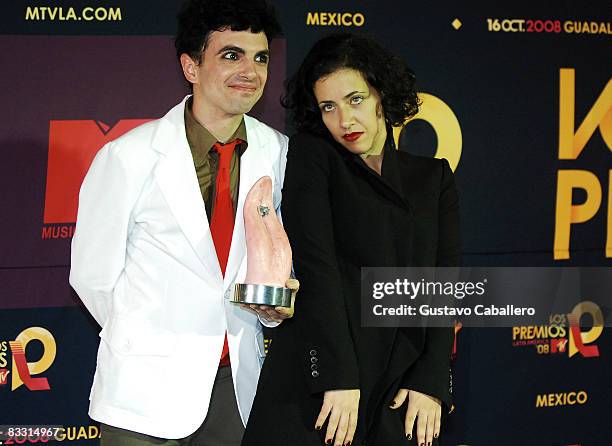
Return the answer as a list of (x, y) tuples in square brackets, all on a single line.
[(268, 252)]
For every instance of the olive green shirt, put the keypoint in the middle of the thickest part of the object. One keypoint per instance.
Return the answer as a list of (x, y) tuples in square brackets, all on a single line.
[(206, 161)]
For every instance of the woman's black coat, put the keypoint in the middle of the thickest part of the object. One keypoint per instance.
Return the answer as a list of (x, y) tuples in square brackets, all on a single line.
[(340, 215)]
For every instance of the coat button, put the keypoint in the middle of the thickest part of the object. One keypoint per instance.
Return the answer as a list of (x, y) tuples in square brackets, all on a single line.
[(313, 359), (313, 352), (315, 374), (314, 367)]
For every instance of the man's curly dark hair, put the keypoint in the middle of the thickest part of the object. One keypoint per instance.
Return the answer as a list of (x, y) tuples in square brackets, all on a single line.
[(198, 18), (383, 70)]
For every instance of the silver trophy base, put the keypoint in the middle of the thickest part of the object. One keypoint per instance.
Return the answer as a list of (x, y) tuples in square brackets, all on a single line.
[(274, 296)]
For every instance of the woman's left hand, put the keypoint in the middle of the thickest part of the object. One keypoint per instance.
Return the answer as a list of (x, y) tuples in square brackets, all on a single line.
[(426, 408)]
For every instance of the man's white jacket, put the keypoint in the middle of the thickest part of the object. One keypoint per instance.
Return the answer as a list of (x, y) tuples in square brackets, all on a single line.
[(144, 264)]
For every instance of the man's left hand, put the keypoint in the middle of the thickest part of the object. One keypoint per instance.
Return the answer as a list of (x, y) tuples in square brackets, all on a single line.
[(278, 314)]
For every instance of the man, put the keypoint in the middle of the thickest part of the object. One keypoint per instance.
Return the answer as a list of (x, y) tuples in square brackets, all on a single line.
[(160, 242)]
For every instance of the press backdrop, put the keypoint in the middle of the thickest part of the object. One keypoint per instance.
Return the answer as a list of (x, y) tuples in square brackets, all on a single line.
[(517, 95)]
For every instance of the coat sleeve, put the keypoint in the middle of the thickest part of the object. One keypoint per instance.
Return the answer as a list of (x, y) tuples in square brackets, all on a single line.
[(326, 350), (431, 373), (98, 252)]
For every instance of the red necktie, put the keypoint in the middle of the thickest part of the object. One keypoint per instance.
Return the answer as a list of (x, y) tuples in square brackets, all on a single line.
[(222, 221)]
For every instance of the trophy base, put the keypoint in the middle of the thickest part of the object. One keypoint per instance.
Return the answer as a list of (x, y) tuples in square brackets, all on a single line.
[(274, 296)]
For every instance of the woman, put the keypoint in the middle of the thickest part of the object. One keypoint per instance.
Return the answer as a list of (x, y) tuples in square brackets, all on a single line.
[(350, 199)]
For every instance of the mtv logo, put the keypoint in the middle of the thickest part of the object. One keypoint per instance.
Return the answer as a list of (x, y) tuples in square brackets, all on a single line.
[(4, 376), (72, 147), (558, 345)]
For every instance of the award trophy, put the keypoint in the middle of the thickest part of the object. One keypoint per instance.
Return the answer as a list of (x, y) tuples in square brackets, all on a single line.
[(268, 252)]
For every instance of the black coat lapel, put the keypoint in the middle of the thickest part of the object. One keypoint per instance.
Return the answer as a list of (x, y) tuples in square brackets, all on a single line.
[(389, 183)]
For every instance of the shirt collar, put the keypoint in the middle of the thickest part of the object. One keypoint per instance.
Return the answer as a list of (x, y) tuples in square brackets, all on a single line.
[(201, 140)]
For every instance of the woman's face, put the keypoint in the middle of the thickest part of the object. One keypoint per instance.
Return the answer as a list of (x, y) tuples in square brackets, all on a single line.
[(351, 111)]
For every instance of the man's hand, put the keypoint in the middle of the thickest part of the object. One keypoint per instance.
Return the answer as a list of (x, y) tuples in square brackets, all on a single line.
[(426, 408), (341, 406), (278, 314)]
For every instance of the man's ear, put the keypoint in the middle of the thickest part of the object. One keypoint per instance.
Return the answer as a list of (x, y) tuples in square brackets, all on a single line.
[(190, 68)]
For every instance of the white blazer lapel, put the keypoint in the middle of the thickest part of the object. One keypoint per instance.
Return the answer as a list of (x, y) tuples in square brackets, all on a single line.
[(175, 174)]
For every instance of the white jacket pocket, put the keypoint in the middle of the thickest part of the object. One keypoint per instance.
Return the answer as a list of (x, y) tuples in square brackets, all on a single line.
[(133, 337)]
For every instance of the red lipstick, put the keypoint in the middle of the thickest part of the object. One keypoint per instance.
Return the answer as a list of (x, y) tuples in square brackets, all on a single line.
[(351, 137)]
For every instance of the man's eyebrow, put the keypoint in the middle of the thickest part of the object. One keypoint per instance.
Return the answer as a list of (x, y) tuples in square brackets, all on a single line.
[(263, 53), (233, 48)]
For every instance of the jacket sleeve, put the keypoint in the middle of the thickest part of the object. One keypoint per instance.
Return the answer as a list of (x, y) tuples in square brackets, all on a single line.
[(431, 373), (98, 254), (325, 346)]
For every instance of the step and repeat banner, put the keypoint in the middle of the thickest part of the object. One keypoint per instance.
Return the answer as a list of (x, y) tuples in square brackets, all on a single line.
[(516, 95)]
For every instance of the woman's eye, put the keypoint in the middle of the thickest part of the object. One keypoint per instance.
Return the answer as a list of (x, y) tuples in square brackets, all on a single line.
[(230, 55), (327, 108), (356, 100)]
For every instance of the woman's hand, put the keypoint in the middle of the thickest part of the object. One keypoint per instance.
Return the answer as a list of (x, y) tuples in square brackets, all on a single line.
[(424, 407), (341, 406)]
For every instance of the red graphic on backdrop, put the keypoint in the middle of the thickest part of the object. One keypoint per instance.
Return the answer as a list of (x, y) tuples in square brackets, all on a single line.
[(24, 372), (558, 345), (458, 326), (590, 351), (72, 147), (4, 376)]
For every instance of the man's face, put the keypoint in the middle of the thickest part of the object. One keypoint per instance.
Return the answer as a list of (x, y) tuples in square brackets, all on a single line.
[(232, 74)]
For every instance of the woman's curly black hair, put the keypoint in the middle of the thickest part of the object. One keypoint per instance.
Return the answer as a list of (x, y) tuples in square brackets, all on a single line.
[(383, 70), (198, 18)]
